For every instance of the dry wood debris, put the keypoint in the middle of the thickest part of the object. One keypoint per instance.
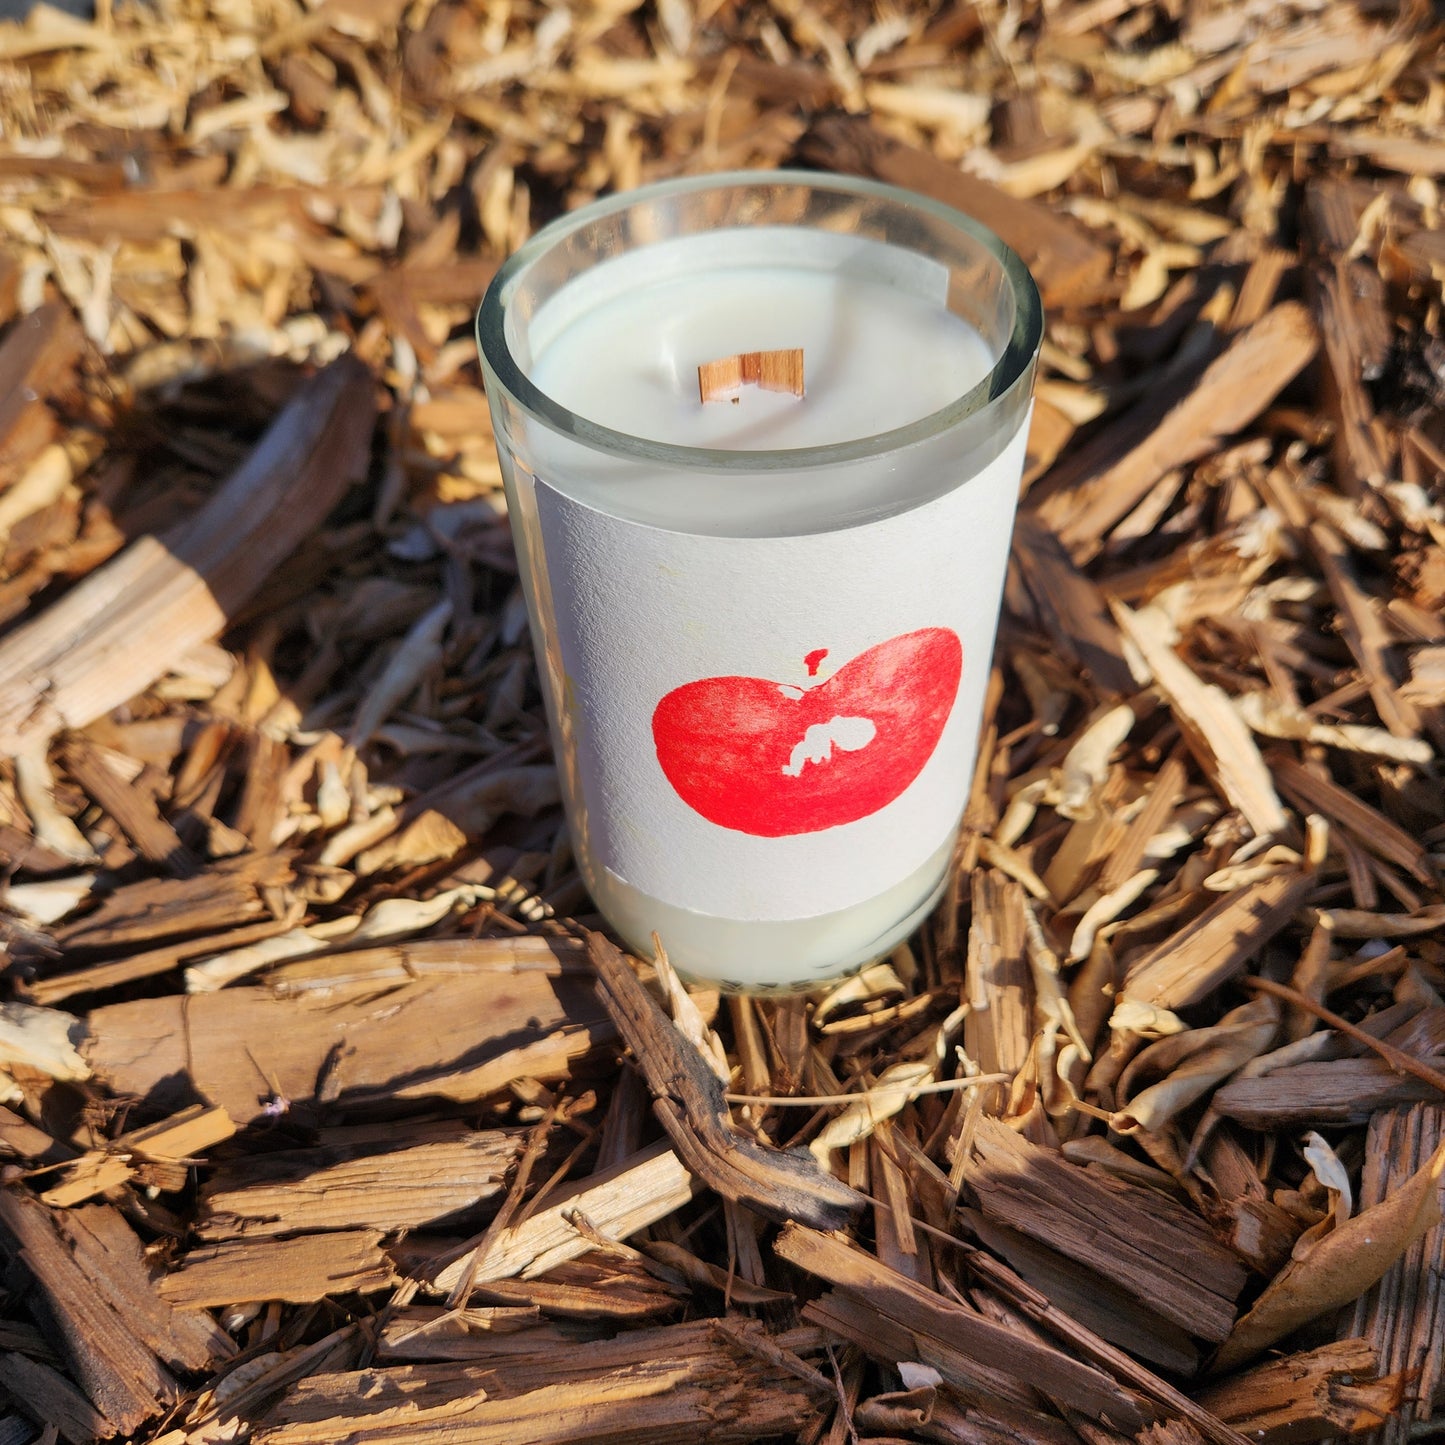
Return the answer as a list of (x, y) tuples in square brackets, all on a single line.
[(313, 1122)]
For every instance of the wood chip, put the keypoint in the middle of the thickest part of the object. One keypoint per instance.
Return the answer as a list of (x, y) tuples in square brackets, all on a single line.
[(1214, 731), (1217, 944), (92, 651), (233, 890), (1340, 1265), (333, 1187), (308, 1267), (1107, 478), (615, 1203), (1319, 1394), (685, 1378), (172, 1141), (688, 1103), (1070, 267), (246, 1048), (94, 1321), (135, 814), (51, 1400), (1155, 1248), (947, 1335)]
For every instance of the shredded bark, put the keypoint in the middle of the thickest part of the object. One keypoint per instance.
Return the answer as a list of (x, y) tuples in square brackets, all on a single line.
[(328, 1112), (1319, 1394), (688, 1102)]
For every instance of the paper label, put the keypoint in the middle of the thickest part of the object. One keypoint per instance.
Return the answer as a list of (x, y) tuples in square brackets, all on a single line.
[(770, 728)]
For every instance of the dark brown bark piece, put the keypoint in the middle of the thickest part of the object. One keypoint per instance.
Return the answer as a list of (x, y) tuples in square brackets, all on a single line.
[(1403, 1316), (1346, 1091), (109, 1252), (948, 1333), (49, 1398), (94, 1318), (1115, 1314), (20, 1139), (1035, 1306), (688, 1102), (1070, 607), (1152, 1246)]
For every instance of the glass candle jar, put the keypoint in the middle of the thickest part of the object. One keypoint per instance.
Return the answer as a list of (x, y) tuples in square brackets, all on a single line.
[(763, 621)]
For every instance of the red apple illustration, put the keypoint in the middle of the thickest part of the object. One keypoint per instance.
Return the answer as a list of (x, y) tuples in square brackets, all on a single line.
[(772, 760)]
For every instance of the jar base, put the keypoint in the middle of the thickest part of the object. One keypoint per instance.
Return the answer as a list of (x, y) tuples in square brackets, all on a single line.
[(784, 956)]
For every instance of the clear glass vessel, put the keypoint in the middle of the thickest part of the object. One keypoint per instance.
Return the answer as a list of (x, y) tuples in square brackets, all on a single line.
[(763, 665)]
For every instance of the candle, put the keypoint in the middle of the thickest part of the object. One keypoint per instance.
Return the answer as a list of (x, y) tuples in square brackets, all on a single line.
[(764, 620)]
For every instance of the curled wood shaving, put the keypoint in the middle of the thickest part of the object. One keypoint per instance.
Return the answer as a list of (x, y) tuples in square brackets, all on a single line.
[(1148, 1020), (36, 785), (1194, 1062), (1272, 718), (49, 901), (1051, 1005), (416, 653), (1329, 1169), (880, 1101), (688, 1017), (1105, 909), (1340, 1266), (1086, 766)]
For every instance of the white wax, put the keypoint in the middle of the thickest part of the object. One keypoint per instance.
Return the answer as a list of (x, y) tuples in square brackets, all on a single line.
[(622, 346)]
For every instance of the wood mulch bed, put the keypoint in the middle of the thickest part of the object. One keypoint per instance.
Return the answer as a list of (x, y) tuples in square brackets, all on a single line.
[(328, 1115)]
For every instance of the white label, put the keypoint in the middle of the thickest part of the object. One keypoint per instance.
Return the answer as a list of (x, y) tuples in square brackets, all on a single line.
[(771, 728)]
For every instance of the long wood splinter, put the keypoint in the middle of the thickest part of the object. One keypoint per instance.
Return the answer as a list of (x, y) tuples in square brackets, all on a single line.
[(770, 370)]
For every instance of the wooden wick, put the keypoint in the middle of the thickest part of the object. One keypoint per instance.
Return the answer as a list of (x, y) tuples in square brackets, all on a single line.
[(769, 370)]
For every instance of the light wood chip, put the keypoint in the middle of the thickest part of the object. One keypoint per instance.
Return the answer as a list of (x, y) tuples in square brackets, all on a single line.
[(306, 1268)]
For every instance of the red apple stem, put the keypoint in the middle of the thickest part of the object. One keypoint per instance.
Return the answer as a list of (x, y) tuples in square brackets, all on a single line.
[(721, 380)]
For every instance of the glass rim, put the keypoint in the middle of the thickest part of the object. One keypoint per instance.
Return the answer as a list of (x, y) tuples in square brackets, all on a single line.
[(500, 367)]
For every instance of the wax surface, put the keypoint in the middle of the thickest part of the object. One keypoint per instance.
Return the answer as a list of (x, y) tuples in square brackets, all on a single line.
[(621, 345)]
